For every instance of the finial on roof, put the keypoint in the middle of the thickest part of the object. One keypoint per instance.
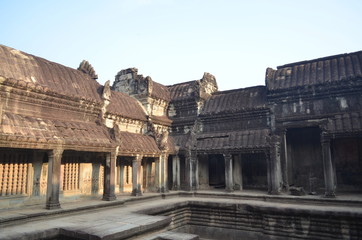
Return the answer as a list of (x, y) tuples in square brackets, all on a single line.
[(87, 68)]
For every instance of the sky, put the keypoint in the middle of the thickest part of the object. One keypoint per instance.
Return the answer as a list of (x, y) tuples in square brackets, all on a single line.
[(174, 41)]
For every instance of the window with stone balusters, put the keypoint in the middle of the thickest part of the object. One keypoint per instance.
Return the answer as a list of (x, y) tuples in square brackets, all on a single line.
[(71, 173), (13, 173)]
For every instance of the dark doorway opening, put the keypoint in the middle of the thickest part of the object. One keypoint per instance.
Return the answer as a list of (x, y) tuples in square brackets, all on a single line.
[(254, 171), (347, 155), (216, 171), (305, 163)]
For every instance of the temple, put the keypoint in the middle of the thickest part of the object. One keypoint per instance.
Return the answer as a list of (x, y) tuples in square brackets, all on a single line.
[(64, 136)]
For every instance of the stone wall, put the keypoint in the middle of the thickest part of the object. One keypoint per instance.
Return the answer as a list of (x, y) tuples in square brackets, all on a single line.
[(214, 220)]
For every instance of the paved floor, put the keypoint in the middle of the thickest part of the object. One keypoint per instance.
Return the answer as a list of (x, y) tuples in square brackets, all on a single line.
[(122, 218)]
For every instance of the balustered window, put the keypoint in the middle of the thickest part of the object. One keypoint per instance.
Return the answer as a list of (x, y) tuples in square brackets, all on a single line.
[(13, 173), (71, 174)]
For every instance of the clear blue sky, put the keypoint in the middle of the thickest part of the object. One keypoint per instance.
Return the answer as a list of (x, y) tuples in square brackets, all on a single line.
[(178, 40)]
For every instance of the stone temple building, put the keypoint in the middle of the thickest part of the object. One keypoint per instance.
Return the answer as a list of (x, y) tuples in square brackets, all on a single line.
[(65, 137)]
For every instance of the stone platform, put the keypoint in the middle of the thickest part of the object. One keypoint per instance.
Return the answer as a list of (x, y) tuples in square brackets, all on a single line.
[(158, 216)]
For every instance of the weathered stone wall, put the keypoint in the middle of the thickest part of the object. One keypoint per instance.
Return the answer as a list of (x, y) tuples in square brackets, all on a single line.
[(257, 221), (310, 105)]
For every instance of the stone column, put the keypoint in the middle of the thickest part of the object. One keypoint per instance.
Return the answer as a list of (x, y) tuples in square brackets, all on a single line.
[(158, 174), (121, 175), (178, 178), (194, 172), (237, 173), (109, 177), (175, 172), (136, 176), (229, 183), (147, 175), (53, 184), (191, 171), (284, 159), (164, 173), (329, 171), (273, 164)]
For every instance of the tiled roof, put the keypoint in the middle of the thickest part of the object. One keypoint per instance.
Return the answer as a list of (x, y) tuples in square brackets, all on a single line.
[(126, 106), (235, 100), (248, 139), (161, 120), (137, 143), (346, 123), (160, 91), (183, 91), (319, 71), (180, 140), (20, 128), (22, 66)]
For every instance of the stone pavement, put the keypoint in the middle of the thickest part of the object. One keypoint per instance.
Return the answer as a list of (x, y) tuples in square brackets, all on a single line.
[(123, 218)]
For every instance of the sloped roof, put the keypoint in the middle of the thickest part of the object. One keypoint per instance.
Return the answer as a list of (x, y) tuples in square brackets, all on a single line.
[(182, 91), (318, 71), (235, 100), (22, 66), (161, 120), (75, 135), (180, 140), (126, 106), (345, 123), (237, 140), (137, 143), (160, 91)]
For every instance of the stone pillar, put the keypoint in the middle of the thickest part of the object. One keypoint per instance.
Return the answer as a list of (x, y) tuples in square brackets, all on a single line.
[(194, 172), (237, 173), (121, 176), (136, 176), (284, 159), (175, 172), (329, 171), (158, 174), (147, 175), (178, 178), (109, 177), (229, 183), (191, 171), (53, 184), (273, 165), (164, 173)]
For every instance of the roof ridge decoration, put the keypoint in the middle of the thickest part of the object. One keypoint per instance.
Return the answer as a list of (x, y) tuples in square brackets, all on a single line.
[(88, 69)]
